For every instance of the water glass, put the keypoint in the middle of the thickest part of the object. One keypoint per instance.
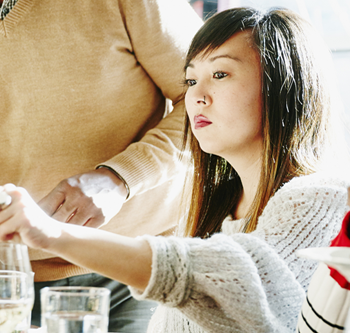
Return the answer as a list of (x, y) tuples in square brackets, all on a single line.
[(14, 258), (75, 309), (24, 325), (16, 299)]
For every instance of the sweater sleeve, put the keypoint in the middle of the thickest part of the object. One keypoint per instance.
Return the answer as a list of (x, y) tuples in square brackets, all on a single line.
[(160, 32), (224, 284), (247, 282)]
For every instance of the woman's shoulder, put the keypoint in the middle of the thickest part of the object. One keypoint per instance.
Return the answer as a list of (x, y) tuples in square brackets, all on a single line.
[(306, 196), (320, 187), (320, 180)]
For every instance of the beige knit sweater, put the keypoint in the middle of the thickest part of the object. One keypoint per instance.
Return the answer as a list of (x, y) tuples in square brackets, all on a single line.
[(246, 283), (80, 82)]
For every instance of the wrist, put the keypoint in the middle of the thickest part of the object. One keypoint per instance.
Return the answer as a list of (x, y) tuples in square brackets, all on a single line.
[(117, 179)]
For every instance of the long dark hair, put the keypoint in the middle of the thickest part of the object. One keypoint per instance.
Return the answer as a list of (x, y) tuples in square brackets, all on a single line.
[(296, 112)]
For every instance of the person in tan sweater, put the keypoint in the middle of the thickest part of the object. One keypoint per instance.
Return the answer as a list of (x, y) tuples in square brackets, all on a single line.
[(270, 177), (85, 85)]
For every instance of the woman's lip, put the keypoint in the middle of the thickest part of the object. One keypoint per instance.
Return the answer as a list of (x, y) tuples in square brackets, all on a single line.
[(200, 121)]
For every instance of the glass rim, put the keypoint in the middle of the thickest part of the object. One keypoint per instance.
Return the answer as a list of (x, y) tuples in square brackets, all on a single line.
[(5, 272), (75, 290), (10, 244)]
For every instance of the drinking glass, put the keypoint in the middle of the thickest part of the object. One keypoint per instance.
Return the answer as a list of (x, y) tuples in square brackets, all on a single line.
[(15, 299), (24, 325), (17, 276), (75, 309), (14, 259)]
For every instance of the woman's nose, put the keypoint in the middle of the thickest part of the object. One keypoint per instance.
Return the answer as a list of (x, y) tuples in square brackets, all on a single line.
[(198, 95), (201, 96), (201, 100)]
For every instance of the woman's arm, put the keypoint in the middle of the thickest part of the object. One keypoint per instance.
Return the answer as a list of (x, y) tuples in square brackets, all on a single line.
[(243, 281), (209, 280), (125, 259), (249, 282)]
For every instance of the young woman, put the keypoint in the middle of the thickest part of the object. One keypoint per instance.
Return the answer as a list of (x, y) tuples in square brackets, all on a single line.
[(266, 182)]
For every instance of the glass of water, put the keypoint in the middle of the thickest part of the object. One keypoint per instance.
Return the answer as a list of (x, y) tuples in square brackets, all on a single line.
[(16, 300), (16, 271), (75, 309)]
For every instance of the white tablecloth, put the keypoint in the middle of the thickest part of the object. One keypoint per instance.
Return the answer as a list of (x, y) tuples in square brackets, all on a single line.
[(40, 330)]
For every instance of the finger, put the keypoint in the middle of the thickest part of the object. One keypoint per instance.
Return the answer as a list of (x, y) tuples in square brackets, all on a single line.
[(71, 216), (79, 217), (7, 227), (18, 196), (95, 222), (85, 213), (5, 195), (6, 214), (77, 209), (5, 199), (9, 187), (14, 237), (10, 196), (11, 229), (52, 202), (65, 212), (74, 201)]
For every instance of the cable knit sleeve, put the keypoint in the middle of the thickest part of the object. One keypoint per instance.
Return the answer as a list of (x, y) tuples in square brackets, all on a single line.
[(224, 284), (249, 282)]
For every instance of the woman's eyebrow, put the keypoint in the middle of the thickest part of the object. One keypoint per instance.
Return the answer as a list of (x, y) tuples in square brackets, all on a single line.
[(212, 59)]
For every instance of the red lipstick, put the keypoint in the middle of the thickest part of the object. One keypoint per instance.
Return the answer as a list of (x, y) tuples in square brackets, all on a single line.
[(200, 121)]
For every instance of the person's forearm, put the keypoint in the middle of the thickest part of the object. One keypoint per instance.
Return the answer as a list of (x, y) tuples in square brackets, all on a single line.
[(128, 260), (124, 259)]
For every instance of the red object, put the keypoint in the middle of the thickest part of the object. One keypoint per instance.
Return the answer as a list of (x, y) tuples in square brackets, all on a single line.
[(341, 240)]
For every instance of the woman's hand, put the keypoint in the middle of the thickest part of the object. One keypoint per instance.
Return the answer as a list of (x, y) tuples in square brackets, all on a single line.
[(125, 259), (24, 221)]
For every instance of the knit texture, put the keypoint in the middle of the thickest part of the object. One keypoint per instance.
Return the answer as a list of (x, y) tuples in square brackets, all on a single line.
[(236, 282), (84, 84)]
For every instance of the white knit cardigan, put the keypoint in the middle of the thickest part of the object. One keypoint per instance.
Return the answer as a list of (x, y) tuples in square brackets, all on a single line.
[(236, 282)]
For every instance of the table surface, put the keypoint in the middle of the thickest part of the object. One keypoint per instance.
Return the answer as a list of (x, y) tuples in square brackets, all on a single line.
[(40, 330)]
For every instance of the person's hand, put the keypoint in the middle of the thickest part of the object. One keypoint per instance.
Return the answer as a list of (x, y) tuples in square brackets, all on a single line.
[(23, 221), (90, 199)]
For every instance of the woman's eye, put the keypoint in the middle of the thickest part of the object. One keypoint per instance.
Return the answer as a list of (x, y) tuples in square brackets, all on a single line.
[(219, 75), (190, 82)]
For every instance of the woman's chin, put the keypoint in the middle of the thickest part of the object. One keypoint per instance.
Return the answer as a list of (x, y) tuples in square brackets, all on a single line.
[(209, 149)]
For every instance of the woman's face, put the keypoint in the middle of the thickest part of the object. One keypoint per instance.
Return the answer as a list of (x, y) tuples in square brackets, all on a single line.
[(224, 99)]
